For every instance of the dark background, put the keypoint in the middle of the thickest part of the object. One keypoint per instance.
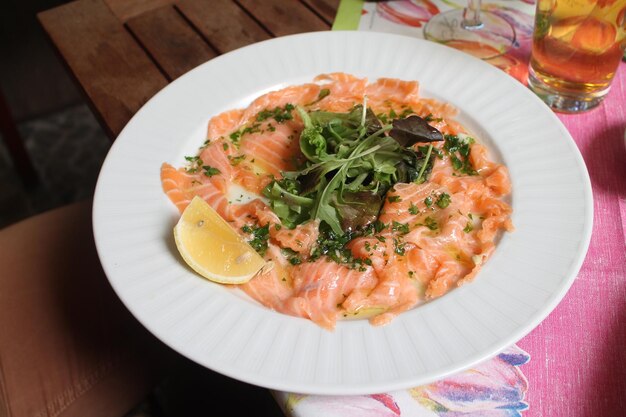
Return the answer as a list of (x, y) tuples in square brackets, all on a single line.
[(62, 138), (32, 78), (67, 147)]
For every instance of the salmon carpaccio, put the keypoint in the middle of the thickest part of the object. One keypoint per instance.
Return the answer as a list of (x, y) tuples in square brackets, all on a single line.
[(442, 248)]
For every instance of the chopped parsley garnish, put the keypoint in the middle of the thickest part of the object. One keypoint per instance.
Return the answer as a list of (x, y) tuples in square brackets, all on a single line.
[(333, 246), (438, 153), (209, 171), (400, 227), (428, 201), (251, 129), (379, 226), (406, 112), (225, 146), (236, 160), (260, 237), (195, 163), (392, 115), (235, 136), (394, 199), (280, 114), (413, 209), (324, 92), (443, 200), (431, 223), (458, 150), (431, 118), (398, 247), (468, 227)]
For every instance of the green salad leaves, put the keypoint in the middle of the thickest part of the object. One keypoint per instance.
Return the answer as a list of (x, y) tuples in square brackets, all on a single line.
[(352, 160)]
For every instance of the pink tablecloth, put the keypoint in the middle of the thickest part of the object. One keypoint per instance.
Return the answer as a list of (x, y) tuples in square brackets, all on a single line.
[(578, 353), (578, 365)]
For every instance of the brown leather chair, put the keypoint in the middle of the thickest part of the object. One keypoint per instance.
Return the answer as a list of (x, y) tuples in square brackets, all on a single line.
[(68, 347)]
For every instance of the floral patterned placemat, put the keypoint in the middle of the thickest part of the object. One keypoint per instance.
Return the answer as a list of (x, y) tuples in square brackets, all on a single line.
[(495, 388), (408, 17)]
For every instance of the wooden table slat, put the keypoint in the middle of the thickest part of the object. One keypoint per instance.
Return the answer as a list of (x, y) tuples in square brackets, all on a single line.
[(284, 17), (225, 25), (171, 41), (116, 74), (325, 8), (127, 9)]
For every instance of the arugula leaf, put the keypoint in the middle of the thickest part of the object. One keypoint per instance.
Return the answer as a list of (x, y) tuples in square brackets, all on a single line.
[(286, 203), (312, 143), (426, 167), (323, 210)]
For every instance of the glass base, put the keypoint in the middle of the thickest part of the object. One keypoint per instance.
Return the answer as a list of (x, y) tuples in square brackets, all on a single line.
[(487, 38), (564, 101)]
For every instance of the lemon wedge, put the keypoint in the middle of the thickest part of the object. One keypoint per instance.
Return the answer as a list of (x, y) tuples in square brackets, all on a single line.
[(364, 313), (212, 248)]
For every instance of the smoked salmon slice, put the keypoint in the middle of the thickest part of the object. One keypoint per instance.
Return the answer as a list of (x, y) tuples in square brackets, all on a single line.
[(428, 239), (181, 187), (322, 286)]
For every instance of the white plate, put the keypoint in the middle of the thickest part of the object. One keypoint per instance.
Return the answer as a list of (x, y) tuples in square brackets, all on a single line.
[(223, 330)]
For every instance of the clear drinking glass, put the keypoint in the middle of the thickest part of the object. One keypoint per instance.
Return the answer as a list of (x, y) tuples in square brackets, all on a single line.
[(472, 30), (577, 47)]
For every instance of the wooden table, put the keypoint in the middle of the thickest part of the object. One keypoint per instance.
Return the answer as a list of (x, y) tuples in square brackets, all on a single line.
[(122, 52)]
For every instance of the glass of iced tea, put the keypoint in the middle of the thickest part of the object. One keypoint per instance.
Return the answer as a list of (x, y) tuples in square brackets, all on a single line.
[(577, 47)]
